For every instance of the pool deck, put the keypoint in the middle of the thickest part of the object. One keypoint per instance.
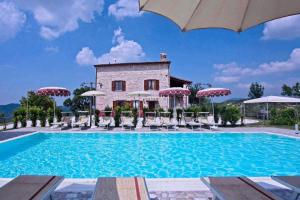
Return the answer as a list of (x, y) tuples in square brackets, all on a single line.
[(159, 188)]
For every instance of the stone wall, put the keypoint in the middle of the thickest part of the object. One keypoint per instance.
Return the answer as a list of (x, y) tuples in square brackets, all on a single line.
[(134, 75)]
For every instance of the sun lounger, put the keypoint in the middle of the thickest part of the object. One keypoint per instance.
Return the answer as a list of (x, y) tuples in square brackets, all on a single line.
[(292, 182), (166, 121), (30, 187), (121, 189), (237, 188), (82, 121), (127, 119), (209, 122), (104, 122), (152, 121), (189, 120)]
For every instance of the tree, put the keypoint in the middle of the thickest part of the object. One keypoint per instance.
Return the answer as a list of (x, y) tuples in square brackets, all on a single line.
[(78, 102), (293, 91), (193, 99), (43, 102), (286, 90), (256, 90)]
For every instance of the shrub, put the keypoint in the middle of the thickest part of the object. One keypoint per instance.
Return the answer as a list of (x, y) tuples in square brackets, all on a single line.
[(42, 117), (217, 113), (231, 114), (97, 113), (285, 116), (135, 116), (194, 109), (58, 114), (117, 117), (33, 115), (50, 116), (20, 115), (15, 121)]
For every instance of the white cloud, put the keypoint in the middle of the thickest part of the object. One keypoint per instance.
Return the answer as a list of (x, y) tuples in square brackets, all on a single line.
[(52, 49), (124, 8), (123, 51), (232, 72), (11, 20), (57, 17), (86, 57), (227, 79), (282, 29)]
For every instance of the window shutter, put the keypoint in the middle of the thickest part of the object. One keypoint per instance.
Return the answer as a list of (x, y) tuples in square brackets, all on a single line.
[(113, 86), (123, 85), (146, 87), (156, 84), (131, 104)]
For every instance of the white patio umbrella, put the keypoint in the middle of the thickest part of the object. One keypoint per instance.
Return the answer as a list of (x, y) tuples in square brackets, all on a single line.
[(139, 94), (93, 94), (236, 15)]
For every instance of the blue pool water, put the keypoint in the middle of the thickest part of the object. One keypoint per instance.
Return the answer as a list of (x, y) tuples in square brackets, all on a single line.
[(150, 155)]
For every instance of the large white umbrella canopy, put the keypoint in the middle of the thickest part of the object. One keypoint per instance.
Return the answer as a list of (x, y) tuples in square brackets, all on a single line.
[(236, 15), (93, 93), (273, 99)]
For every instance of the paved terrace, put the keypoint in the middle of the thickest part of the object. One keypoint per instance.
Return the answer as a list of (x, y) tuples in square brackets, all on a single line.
[(159, 189)]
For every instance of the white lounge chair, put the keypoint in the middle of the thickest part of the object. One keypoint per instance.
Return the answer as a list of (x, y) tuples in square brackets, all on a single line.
[(209, 122), (82, 121), (152, 121), (127, 120), (166, 121), (105, 121), (190, 121)]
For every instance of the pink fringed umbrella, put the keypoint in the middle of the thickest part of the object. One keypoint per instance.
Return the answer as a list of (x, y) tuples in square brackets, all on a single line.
[(213, 92), (53, 91), (174, 91)]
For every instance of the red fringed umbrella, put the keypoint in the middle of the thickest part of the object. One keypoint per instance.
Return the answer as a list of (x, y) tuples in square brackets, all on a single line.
[(174, 91), (53, 91), (177, 91), (213, 92)]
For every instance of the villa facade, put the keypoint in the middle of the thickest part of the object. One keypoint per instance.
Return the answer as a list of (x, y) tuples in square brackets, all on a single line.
[(117, 80)]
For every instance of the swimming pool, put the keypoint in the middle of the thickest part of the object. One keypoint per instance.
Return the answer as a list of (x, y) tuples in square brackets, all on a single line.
[(82, 155)]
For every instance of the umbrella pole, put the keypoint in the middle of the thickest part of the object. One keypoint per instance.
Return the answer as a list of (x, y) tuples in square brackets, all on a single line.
[(174, 107), (94, 97), (54, 110), (213, 109)]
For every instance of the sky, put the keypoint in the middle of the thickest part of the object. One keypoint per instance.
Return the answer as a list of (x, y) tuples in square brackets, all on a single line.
[(55, 43)]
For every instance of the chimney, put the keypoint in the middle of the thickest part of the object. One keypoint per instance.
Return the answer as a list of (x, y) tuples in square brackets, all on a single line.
[(163, 57)]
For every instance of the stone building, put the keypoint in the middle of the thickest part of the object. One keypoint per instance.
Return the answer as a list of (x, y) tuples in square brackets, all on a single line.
[(117, 80)]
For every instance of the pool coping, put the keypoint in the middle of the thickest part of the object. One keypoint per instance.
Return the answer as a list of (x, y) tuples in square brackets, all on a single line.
[(297, 136)]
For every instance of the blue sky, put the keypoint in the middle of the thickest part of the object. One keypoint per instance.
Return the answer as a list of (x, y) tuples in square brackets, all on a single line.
[(55, 43)]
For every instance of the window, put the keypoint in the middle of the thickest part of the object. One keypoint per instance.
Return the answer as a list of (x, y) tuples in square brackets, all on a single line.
[(151, 84), (118, 86)]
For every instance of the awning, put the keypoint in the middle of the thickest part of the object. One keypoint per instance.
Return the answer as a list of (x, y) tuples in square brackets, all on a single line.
[(273, 99)]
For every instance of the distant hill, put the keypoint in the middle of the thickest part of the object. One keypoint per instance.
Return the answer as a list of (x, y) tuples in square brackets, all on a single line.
[(235, 100), (9, 109)]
